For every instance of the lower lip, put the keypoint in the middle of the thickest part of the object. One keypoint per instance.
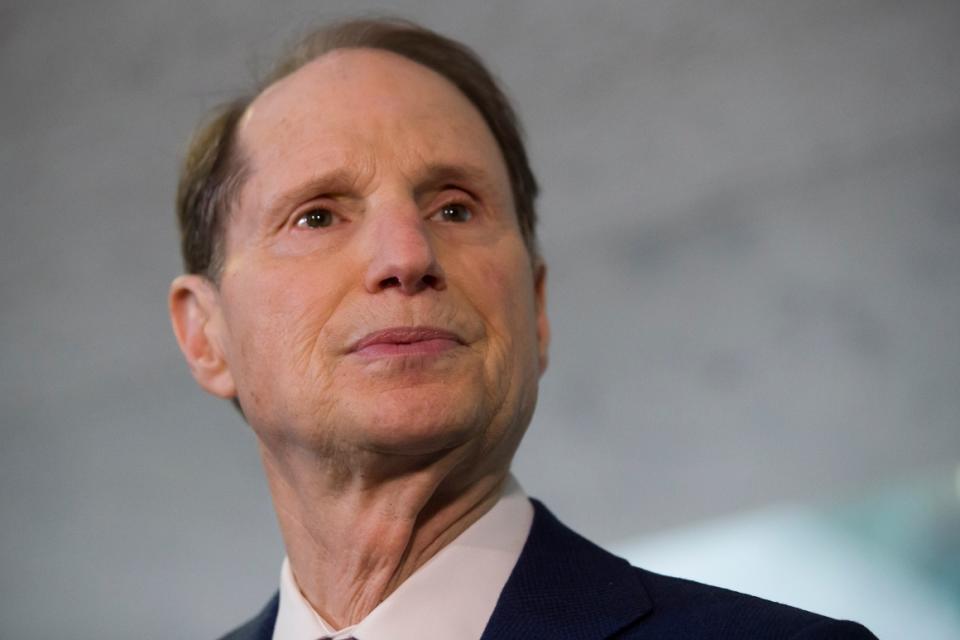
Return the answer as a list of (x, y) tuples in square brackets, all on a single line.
[(420, 348)]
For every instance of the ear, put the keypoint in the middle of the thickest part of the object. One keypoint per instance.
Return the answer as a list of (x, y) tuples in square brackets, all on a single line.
[(543, 323), (198, 325)]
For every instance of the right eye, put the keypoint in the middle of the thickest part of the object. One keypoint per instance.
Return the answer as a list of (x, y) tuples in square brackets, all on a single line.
[(316, 219)]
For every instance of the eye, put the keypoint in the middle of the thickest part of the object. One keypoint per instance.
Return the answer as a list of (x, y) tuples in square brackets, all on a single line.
[(453, 212), (316, 219)]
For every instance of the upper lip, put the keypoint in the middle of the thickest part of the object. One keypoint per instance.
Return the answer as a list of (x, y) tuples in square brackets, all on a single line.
[(404, 335)]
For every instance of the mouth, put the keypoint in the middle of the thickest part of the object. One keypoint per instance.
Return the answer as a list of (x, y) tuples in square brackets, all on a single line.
[(406, 341)]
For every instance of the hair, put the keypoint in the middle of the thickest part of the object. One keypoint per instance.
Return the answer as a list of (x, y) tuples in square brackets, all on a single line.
[(214, 169)]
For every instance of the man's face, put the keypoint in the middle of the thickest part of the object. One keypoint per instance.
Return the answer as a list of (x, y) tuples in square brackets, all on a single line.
[(376, 291)]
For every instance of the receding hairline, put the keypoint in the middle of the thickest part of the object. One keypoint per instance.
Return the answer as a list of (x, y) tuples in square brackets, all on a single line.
[(324, 57)]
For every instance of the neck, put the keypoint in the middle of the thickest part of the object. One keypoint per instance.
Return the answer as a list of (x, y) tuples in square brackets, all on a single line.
[(353, 537)]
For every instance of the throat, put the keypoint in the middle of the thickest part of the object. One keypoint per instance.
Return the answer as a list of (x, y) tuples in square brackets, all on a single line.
[(348, 555)]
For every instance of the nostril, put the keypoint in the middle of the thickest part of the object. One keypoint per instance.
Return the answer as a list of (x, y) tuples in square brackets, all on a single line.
[(426, 281)]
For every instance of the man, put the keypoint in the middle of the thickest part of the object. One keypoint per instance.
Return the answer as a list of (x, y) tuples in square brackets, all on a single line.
[(363, 281)]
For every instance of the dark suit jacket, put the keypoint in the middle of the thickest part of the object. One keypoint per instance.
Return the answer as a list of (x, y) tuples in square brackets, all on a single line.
[(564, 586)]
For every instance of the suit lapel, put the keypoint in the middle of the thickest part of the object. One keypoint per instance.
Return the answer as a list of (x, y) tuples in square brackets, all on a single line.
[(564, 586), (260, 627)]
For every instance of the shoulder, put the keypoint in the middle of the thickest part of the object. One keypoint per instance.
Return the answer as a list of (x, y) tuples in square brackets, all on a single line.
[(260, 627), (564, 582), (684, 608)]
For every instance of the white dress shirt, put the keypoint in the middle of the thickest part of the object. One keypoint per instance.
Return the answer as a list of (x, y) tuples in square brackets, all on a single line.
[(451, 596)]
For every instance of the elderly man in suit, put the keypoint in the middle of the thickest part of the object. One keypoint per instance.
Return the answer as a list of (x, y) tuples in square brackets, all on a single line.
[(363, 282)]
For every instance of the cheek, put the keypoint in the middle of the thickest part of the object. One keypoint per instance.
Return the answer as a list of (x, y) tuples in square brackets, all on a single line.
[(278, 320), (505, 296)]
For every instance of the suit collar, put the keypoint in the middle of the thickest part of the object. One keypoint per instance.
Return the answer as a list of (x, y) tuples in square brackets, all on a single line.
[(565, 586)]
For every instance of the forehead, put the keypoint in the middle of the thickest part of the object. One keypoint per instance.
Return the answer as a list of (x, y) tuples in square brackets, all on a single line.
[(358, 107)]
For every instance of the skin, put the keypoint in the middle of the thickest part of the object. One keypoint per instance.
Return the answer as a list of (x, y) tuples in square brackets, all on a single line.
[(377, 197)]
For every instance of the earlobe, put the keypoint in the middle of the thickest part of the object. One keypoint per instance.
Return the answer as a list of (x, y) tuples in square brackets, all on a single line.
[(195, 315), (543, 322)]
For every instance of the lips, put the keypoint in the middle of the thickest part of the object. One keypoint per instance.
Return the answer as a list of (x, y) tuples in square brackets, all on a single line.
[(400, 341)]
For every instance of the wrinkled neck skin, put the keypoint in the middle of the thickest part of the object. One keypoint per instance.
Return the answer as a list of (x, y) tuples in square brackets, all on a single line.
[(356, 526)]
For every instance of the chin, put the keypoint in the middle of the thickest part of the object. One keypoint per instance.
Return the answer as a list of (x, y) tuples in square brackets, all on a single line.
[(420, 421)]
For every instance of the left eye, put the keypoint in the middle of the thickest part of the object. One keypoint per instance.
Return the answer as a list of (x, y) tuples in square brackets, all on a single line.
[(316, 219), (454, 213)]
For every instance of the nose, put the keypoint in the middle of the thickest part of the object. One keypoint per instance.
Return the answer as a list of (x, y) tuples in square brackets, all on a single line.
[(403, 256)]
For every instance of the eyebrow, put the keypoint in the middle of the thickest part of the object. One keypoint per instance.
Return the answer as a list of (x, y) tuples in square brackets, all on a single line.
[(335, 182), (441, 174), (341, 180)]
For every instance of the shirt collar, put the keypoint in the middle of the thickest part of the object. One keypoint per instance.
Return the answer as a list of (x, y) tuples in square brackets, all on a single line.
[(451, 596)]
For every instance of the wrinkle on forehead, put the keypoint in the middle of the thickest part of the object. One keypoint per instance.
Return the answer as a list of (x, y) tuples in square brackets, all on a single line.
[(348, 101)]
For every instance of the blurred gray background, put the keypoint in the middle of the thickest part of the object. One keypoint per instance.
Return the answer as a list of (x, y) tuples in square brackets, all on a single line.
[(751, 213)]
